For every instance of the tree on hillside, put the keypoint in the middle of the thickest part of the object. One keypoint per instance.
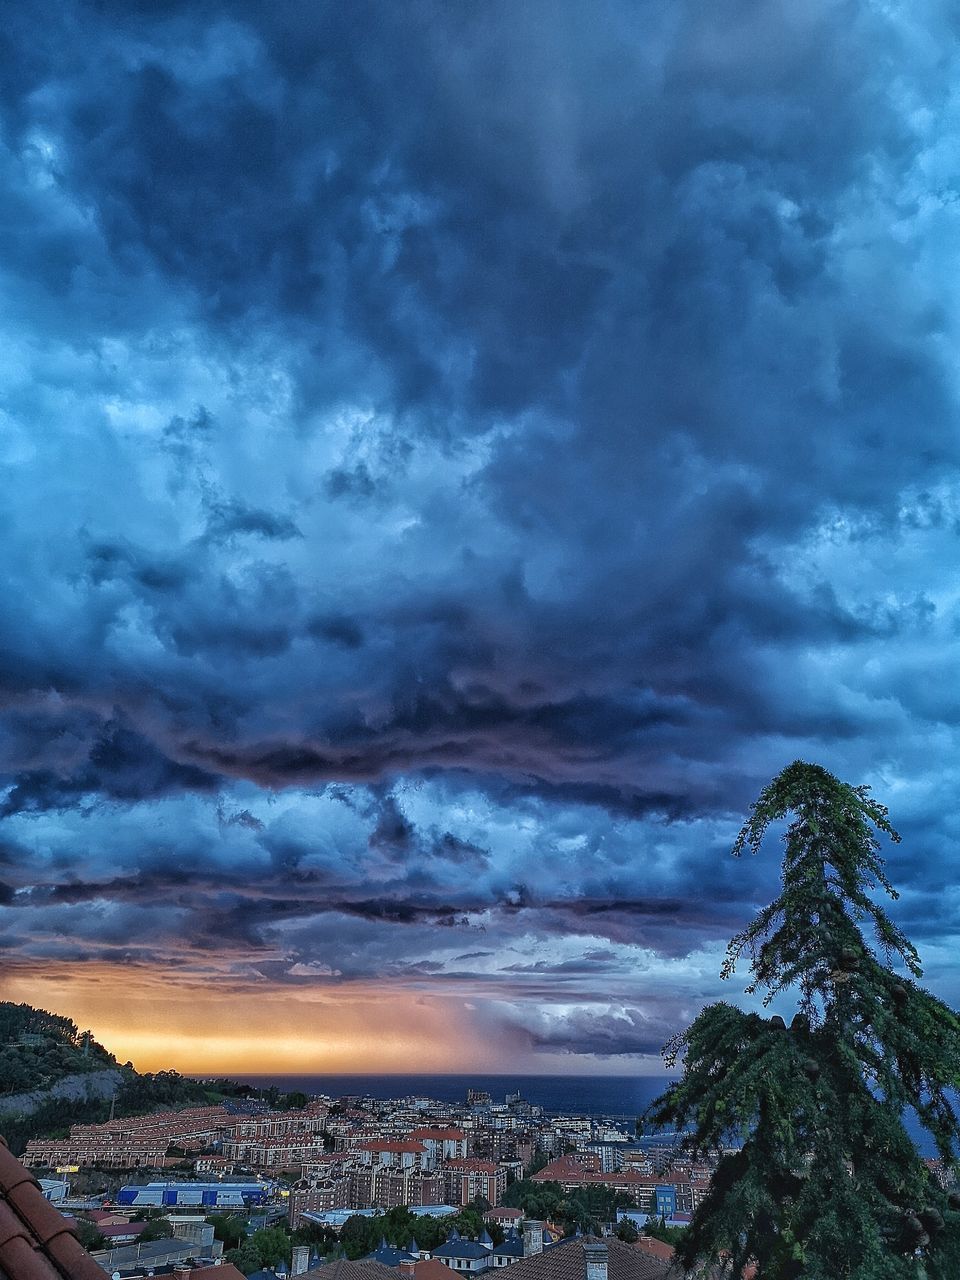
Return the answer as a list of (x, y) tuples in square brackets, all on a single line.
[(828, 1182)]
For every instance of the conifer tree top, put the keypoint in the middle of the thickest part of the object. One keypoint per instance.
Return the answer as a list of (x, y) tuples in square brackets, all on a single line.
[(826, 1181), (831, 866)]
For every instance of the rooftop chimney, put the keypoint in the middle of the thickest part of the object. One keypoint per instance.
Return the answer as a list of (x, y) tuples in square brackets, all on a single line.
[(300, 1261), (532, 1238), (408, 1266), (595, 1256)]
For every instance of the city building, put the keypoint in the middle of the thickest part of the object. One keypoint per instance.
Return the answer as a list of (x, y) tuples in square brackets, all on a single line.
[(464, 1256), (465, 1180), (384, 1186), (319, 1196)]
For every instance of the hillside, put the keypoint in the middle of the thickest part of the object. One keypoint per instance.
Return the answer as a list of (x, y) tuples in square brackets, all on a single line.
[(38, 1049), (53, 1075)]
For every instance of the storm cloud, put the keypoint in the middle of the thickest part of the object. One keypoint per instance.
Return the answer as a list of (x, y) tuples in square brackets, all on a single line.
[(450, 460)]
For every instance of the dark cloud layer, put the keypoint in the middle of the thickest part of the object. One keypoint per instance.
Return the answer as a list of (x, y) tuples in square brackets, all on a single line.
[(506, 435)]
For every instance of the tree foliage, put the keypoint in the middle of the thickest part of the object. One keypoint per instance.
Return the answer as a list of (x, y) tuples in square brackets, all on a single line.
[(245, 1258), (90, 1235), (228, 1227), (38, 1049), (827, 1182), (588, 1208), (361, 1235), (158, 1229)]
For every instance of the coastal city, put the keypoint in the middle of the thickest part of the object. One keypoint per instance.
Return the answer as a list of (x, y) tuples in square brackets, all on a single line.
[(316, 1170)]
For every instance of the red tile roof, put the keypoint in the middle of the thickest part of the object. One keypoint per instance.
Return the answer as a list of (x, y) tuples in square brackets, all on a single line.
[(432, 1269), (117, 1230), (362, 1269), (568, 1166), (567, 1262), (655, 1248), (223, 1271), (36, 1241)]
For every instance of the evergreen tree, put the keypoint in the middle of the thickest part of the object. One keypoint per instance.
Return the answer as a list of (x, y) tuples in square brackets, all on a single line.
[(827, 1183)]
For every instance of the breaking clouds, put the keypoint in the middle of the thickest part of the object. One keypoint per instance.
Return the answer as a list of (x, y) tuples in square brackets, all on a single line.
[(450, 460)]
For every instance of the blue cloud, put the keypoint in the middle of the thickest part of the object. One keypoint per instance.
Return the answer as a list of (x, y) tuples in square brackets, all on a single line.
[(452, 460)]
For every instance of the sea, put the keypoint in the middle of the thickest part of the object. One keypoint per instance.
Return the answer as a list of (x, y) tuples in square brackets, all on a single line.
[(619, 1098)]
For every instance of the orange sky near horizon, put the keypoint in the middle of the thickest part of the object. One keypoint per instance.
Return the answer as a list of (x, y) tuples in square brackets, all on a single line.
[(341, 1029), (347, 1028)]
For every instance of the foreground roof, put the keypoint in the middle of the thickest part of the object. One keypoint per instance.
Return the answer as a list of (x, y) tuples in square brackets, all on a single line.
[(343, 1269), (566, 1261), (36, 1241)]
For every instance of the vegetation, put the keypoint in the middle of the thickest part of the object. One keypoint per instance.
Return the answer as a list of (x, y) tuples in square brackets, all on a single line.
[(161, 1091), (586, 1207), (828, 1182), (51, 1119), (228, 1227), (157, 1229), (361, 1235), (265, 1248), (90, 1235), (38, 1048), (657, 1228)]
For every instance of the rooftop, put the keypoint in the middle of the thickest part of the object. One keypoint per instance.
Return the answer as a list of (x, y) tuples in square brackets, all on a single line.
[(567, 1262), (36, 1241), (342, 1269), (461, 1249)]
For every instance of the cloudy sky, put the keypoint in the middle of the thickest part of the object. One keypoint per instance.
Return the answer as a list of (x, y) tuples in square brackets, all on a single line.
[(452, 455)]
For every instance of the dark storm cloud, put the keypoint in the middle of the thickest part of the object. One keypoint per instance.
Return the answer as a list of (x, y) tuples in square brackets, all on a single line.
[(614, 1034), (548, 409)]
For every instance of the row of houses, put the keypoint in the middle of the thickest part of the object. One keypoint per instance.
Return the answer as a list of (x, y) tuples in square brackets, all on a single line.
[(143, 1142)]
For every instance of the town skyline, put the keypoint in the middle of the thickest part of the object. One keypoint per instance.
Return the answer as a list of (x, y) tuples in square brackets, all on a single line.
[(450, 461)]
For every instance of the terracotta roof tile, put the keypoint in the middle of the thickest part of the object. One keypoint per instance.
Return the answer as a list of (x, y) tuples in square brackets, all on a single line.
[(41, 1217), (225, 1271), (10, 1225), (72, 1259), (363, 1269), (21, 1261), (655, 1248), (12, 1172), (566, 1261), (36, 1241), (432, 1269)]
